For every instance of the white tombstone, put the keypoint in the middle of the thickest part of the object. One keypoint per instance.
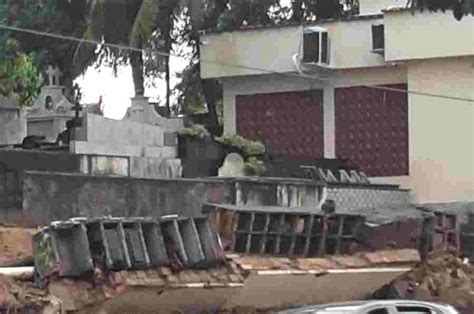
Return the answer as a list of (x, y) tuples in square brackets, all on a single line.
[(233, 166), (12, 122)]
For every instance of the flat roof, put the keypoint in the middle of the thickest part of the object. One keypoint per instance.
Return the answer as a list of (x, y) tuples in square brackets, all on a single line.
[(292, 24)]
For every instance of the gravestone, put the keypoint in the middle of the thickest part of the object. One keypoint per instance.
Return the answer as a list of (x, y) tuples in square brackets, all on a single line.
[(12, 122), (233, 166), (48, 115)]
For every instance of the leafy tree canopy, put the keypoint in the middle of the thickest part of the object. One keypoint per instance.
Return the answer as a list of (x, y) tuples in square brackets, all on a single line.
[(460, 8), (20, 79)]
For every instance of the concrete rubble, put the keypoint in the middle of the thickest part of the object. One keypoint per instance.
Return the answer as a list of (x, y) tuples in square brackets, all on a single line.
[(243, 281), (444, 277), (110, 265)]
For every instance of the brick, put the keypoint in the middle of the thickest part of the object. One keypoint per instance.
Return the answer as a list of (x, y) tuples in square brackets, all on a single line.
[(204, 276), (350, 261), (188, 277), (172, 279), (141, 274), (153, 274), (164, 271), (316, 264), (393, 256)]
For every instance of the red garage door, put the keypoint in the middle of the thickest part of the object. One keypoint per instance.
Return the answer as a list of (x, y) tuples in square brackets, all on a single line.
[(289, 124), (372, 129)]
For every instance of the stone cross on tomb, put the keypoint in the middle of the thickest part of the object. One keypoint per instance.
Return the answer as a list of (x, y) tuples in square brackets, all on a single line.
[(54, 76)]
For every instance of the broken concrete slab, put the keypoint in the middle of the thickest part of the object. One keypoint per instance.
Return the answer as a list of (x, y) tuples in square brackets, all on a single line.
[(285, 231), (248, 281), (76, 247)]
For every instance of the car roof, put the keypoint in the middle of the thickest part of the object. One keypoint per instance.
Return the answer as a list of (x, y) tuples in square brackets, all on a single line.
[(357, 305)]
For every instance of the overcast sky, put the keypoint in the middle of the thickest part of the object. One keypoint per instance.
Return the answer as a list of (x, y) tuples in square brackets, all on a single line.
[(116, 91)]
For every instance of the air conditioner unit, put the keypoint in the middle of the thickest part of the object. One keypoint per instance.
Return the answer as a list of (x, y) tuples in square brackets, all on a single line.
[(316, 46), (378, 39)]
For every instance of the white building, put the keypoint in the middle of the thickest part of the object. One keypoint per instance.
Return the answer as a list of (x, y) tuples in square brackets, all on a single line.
[(335, 90)]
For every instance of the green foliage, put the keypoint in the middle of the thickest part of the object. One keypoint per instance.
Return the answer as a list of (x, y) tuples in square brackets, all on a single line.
[(460, 8), (254, 167), (247, 147), (20, 79), (55, 16), (196, 130)]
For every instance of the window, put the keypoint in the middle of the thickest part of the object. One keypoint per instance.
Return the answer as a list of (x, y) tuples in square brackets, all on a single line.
[(324, 48), (311, 46), (316, 46), (378, 37), (413, 310), (378, 311)]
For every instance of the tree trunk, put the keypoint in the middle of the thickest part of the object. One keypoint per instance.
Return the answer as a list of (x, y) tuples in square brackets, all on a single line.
[(210, 90), (168, 47), (136, 60)]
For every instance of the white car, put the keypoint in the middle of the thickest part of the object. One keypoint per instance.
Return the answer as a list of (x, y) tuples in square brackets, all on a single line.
[(375, 307)]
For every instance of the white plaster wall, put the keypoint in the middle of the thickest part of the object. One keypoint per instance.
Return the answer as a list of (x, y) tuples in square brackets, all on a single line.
[(441, 131), (248, 52), (376, 6), (426, 35), (283, 83)]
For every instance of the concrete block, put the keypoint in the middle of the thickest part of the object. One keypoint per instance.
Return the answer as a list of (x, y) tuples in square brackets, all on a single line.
[(191, 241), (138, 167), (210, 245), (107, 243), (155, 244), (136, 246), (169, 152), (105, 149), (170, 139), (174, 241), (64, 249), (153, 135), (153, 152)]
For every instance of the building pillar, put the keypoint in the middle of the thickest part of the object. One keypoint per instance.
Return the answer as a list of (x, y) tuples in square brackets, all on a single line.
[(230, 115), (329, 118)]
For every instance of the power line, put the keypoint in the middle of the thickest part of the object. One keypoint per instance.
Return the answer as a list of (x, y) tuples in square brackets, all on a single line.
[(165, 54)]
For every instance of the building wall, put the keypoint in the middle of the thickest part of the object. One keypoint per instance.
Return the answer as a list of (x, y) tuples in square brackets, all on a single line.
[(427, 35), (288, 123), (376, 6), (248, 52), (279, 83), (372, 129), (440, 164), (442, 130)]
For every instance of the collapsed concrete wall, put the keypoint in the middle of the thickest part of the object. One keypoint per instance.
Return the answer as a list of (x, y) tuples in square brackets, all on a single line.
[(44, 196), (48, 197)]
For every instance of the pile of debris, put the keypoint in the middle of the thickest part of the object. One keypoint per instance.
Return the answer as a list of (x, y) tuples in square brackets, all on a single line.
[(444, 278)]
